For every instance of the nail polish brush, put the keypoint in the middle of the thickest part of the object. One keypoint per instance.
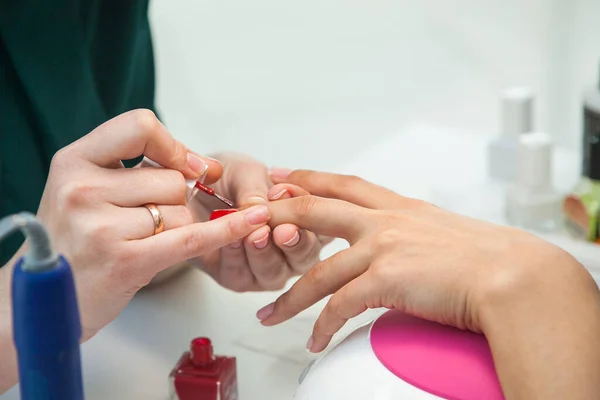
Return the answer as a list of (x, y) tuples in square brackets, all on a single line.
[(194, 186), (212, 193)]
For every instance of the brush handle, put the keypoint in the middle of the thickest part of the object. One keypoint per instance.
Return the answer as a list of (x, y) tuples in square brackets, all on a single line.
[(205, 189)]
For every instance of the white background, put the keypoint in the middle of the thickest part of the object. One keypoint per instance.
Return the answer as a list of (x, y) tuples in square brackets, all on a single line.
[(313, 83)]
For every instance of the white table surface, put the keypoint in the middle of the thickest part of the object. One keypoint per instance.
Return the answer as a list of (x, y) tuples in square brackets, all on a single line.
[(132, 357)]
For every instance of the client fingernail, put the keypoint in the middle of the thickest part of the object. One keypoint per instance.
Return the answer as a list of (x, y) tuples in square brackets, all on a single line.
[(278, 195), (293, 241), (257, 215), (280, 173), (255, 200), (196, 164), (236, 245), (265, 312), (309, 344), (262, 242)]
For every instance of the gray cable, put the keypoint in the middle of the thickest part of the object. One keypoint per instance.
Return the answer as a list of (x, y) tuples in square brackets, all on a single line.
[(39, 256)]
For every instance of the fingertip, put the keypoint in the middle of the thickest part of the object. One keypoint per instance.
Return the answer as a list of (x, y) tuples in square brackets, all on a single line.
[(317, 346), (215, 170), (310, 343), (283, 191), (278, 192), (257, 215), (260, 237), (286, 235), (265, 312)]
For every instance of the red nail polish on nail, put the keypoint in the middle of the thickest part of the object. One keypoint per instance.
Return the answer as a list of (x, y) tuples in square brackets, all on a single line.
[(200, 375), (221, 213)]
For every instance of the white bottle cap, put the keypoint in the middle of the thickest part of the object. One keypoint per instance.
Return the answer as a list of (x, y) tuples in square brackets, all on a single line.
[(517, 111), (534, 161)]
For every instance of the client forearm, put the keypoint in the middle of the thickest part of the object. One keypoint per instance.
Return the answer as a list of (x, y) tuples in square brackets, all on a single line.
[(545, 334)]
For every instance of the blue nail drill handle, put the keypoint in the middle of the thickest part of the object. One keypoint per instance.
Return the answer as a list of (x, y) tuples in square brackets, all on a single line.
[(47, 332)]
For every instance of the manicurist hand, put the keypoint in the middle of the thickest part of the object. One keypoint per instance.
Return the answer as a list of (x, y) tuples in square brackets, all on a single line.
[(94, 210), (268, 257), (537, 306)]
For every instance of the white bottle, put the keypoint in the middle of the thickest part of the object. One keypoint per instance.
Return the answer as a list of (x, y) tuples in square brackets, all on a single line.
[(516, 119), (532, 202)]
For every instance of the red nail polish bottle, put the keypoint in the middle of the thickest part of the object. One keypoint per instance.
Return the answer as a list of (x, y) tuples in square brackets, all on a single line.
[(200, 375)]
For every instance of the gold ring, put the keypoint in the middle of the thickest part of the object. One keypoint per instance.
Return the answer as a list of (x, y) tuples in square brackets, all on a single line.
[(159, 223)]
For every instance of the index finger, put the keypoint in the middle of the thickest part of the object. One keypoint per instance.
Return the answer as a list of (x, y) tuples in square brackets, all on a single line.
[(345, 187), (132, 134), (323, 216), (177, 245), (350, 301)]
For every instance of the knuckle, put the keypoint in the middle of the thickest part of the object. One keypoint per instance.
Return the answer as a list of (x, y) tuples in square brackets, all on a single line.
[(100, 232), (352, 180), (74, 194), (179, 183), (284, 302), (416, 204), (387, 239), (299, 176), (97, 238), (123, 266), (194, 242), (145, 120), (185, 216), (270, 276), (60, 159), (316, 276), (234, 228), (178, 158), (335, 309), (348, 182), (379, 271), (306, 204)]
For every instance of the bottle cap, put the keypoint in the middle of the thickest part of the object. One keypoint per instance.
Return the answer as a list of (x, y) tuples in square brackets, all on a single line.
[(201, 351), (534, 161), (517, 111)]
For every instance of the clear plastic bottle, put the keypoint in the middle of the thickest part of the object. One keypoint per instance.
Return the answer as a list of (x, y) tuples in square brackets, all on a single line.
[(516, 119), (532, 202)]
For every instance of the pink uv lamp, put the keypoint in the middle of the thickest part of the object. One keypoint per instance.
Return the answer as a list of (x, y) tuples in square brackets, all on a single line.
[(402, 357)]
